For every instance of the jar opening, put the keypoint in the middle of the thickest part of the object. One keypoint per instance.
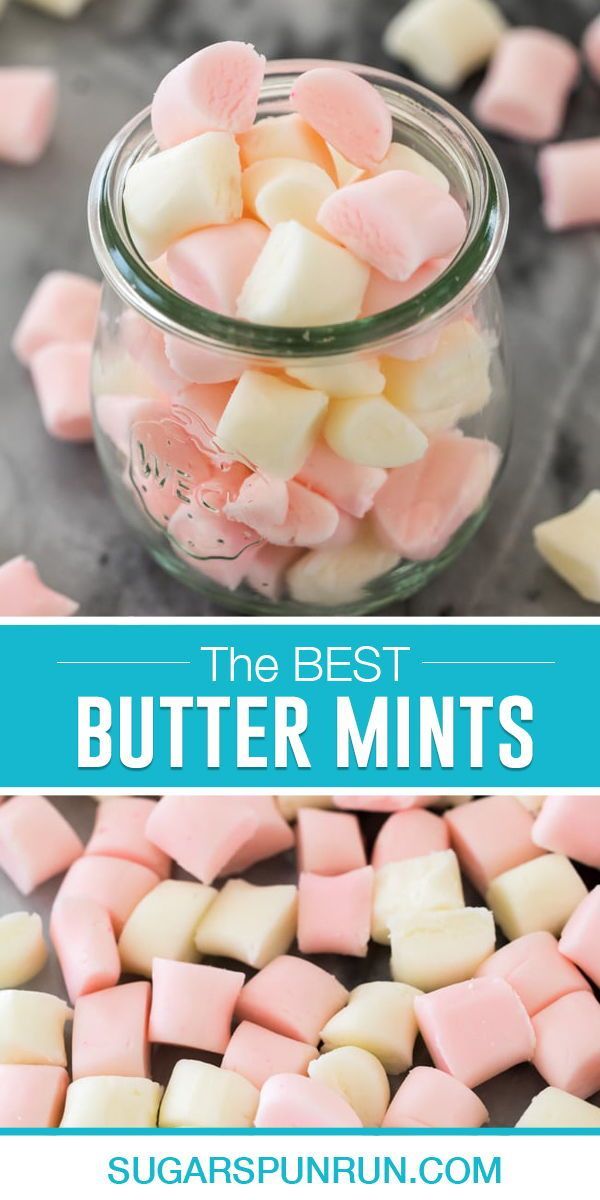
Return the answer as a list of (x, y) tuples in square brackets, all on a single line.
[(421, 120)]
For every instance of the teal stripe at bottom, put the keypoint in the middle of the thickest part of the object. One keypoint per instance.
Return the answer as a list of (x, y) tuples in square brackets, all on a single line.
[(220, 1132)]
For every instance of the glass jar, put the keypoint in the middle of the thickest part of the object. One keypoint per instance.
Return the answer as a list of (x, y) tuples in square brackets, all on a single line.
[(165, 367)]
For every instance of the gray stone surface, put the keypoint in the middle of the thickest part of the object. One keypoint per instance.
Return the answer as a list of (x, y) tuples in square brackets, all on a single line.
[(53, 501)]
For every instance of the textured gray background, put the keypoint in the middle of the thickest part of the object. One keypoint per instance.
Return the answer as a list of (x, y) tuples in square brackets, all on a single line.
[(53, 501), (506, 1097)]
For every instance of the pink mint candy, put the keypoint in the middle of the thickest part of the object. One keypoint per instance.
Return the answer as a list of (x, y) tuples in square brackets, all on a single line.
[(580, 940), (334, 912), (116, 413), (346, 111), (63, 308), (114, 884), (22, 593), (293, 1101), (146, 346), (28, 103), (193, 1005), (267, 570), (211, 265), (422, 506), (311, 519), (166, 467), (202, 833), (428, 1098), (349, 486), (409, 834), (120, 832), (85, 945), (537, 970), (591, 48), (36, 843), (347, 531), (199, 409), (383, 293), (570, 177), (261, 503), (258, 1053), (570, 825), (32, 1097), (527, 85), (383, 804), (258, 502), (196, 364), (223, 487), (567, 1052), (110, 1032), (216, 90), (61, 378), (285, 514), (491, 836), (272, 836), (329, 843), (475, 1030), (293, 997), (395, 222), (211, 543)]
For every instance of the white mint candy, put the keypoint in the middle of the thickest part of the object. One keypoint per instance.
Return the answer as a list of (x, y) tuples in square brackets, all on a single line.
[(439, 420), (285, 136), (23, 950), (111, 1101), (533, 804), (177, 191), (345, 171), (555, 1109), (404, 158), (200, 1095), (290, 805), (435, 949), (454, 379), (286, 189), (359, 1077), (32, 1028), (300, 278), (357, 377), (251, 924), (57, 8), (270, 424), (444, 41), (335, 575), (379, 1017), (412, 886), (537, 895), (163, 925), (570, 543), (371, 431)]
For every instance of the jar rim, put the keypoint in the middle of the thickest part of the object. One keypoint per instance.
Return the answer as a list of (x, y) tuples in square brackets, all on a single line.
[(455, 288)]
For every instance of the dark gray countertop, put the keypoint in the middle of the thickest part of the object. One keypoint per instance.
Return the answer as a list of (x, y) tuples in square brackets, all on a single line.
[(53, 502)]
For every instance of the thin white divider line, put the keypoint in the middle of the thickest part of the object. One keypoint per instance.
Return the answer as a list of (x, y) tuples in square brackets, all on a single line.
[(116, 662), (499, 662)]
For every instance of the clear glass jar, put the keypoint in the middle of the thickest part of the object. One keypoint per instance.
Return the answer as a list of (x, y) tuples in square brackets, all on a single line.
[(164, 368)]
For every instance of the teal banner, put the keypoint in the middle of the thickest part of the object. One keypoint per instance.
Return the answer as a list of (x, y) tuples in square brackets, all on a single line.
[(326, 705)]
